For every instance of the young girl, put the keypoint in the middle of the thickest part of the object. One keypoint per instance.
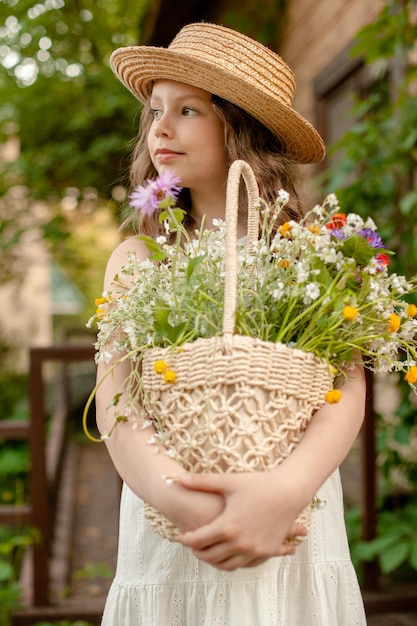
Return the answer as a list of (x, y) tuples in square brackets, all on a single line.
[(211, 97)]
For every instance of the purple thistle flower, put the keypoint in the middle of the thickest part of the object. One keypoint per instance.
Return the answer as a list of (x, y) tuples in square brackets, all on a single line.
[(372, 238), (143, 199), (167, 184), (147, 198)]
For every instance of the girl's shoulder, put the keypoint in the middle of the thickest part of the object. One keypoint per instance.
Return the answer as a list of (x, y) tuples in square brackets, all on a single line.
[(121, 255)]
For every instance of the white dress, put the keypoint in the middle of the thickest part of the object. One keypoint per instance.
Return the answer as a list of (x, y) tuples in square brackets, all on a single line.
[(160, 583)]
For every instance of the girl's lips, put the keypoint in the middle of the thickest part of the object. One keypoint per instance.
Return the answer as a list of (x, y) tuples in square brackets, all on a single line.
[(166, 155)]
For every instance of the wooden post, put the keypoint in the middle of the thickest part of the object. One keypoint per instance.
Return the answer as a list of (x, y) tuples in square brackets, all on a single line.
[(38, 481)]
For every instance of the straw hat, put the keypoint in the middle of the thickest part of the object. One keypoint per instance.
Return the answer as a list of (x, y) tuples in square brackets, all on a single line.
[(232, 66)]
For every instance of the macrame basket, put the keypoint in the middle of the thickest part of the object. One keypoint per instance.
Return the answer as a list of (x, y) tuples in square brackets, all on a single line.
[(238, 404)]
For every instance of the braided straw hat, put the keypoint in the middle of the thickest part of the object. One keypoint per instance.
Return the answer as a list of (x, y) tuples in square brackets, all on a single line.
[(232, 66)]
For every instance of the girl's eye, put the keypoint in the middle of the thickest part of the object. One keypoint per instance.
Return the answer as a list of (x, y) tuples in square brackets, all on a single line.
[(156, 113), (189, 111)]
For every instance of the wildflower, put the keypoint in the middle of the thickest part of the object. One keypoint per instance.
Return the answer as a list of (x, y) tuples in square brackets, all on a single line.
[(350, 312), (166, 185), (284, 263), (337, 221), (411, 375), (101, 307), (382, 260), (394, 322), (143, 199), (412, 310), (312, 291), (278, 292), (160, 367), (355, 222), (372, 238), (332, 200), (147, 198), (170, 377), (283, 196), (333, 396), (285, 228)]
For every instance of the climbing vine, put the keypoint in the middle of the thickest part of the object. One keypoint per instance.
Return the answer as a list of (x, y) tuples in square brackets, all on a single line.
[(375, 175)]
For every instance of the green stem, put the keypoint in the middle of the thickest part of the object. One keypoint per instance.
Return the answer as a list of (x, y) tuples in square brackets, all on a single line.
[(92, 395)]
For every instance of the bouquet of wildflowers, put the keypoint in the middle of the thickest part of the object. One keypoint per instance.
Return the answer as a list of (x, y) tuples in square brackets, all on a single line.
[(320, 288)]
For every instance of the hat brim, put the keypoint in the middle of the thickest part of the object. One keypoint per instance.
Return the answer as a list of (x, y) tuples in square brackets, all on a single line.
[(137, 67)]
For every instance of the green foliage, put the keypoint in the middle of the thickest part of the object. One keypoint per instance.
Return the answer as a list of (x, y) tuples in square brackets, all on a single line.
[(59, 95), (13, 544), (375, 173), (396, 543), (64, 623), (375, 176), (94, 570), (261, 19)]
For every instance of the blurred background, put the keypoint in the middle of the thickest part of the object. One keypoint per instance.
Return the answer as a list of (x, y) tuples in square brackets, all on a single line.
[(66, 132)]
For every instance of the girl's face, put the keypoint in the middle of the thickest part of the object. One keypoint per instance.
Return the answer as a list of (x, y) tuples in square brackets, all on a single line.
[(186, 136)]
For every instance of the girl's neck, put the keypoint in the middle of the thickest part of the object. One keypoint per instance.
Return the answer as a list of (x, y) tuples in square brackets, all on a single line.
[(212, 206)]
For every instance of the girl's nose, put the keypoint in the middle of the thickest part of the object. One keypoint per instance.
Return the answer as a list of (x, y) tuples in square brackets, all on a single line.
[(163, 127)]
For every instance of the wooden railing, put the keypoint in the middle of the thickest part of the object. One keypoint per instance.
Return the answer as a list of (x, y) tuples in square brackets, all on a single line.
[(46, 455)]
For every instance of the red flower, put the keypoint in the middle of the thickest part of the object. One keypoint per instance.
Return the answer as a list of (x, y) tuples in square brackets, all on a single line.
[(337, 221), (382, 260)]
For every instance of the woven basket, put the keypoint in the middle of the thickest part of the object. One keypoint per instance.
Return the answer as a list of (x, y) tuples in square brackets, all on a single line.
[(238, 403)]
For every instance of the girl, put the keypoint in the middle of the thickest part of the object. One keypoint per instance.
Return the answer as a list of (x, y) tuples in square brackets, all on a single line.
[(211, 97)]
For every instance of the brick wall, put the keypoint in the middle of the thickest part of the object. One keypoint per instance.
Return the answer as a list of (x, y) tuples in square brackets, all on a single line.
[(317, 31)]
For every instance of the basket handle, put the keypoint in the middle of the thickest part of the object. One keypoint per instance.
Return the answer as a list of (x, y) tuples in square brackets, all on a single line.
[(237, 170)]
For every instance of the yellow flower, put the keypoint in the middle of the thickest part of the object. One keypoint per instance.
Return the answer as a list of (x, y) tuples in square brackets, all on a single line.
[(284, 263), (411, 375), (160, 367), (412, 310), (350, 312), (100, 306), (314, 229), (394, 322), (333, 396), (170, 377), (285, 228)]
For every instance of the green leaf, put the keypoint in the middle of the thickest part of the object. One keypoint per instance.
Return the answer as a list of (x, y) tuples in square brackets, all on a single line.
[(408, 203), (323, 276), (163, 327), (174, 216), (413, 555), (166, 203), (192, 265), (357, 248), (6, 571), (395, 556), (157, 253), (402, 433)]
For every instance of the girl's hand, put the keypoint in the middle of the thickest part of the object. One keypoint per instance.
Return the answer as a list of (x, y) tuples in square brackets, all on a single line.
[(190, 510), (256, 524)]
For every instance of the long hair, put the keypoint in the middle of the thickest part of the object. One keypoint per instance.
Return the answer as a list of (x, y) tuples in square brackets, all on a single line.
[(245, 138)]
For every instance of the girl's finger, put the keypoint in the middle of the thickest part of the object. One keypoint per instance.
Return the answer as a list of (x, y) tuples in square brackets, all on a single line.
[(203, 482)]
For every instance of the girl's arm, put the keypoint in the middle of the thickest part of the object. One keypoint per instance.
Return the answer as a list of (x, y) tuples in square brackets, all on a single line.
[(262, 506), (141, 465)]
